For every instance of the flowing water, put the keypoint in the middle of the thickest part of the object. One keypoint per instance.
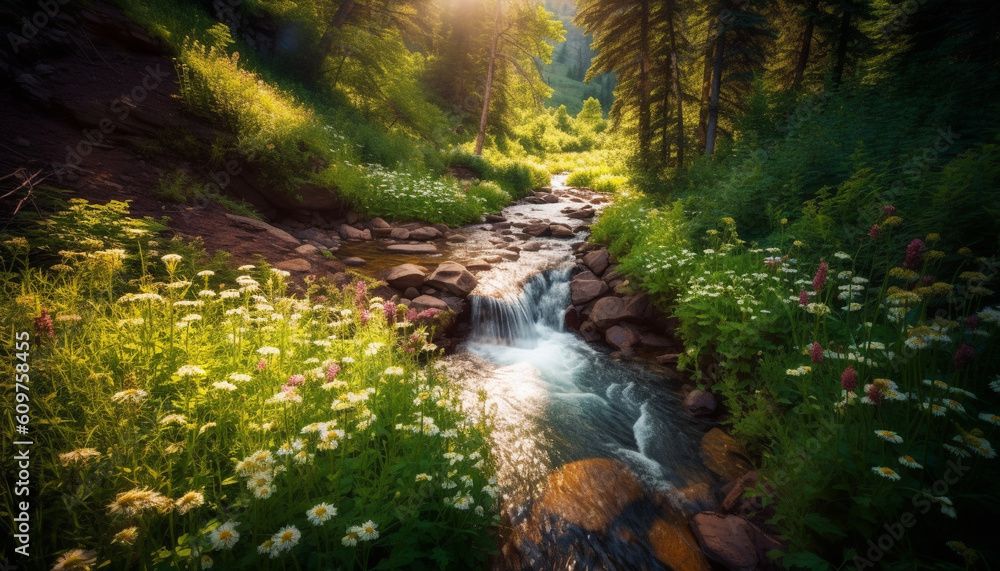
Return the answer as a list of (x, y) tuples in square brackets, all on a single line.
[(573, 427)]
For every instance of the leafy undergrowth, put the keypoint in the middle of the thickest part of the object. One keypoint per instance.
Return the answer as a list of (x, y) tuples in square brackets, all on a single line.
[(183, 417), (869, 389)]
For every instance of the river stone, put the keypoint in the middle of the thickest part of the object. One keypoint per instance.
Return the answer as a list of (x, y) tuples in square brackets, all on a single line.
[(698, 497), (531, 246), (442, 228), (734, 500), (406, 276), (608, 311), (733, 541), (501, 226), (354, 262), (454, 278), (582, 291), (457, 238), (478, 265), (537, 230), (597, 261), (413, 248), (425, 233), (700, 403), (675, 546), (723, 455), (620, 337), (411, 293), (307, 250), (582, 214), (399, 234), (381, 232), (423, 302), (585, 275), (561, 231), (494, 218), (294, 265), (352, 233), (589, 493), (378, 223)]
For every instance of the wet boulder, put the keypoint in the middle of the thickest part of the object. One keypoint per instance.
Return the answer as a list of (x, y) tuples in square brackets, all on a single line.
[(406, 276), (588, 493), (351, 233), (723, 455), (428, 302), (597, 261), (607, 312), (583, 291), (675, 545), (733, 542), (425, 233), (620, 337), (454, 278)]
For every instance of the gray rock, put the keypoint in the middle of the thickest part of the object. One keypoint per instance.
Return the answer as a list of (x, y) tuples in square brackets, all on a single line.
[(379, 223), (411, 293), (561, 231), (400, 234), (354, 262), (307, 250)]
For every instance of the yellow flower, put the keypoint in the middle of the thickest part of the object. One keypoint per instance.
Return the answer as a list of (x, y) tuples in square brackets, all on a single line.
[(934, 255), (798, 243), (728, 221), (784, 221), (965, 251), (975, 277), (892, 221), (902, 273), (932, 237)]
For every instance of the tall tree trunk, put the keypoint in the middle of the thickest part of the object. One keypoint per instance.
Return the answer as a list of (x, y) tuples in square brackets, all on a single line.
[(706, 83), (326, 42), (675, 73), (645, 134), (842, 41), (481, 137), (807, 35), (713, 105)]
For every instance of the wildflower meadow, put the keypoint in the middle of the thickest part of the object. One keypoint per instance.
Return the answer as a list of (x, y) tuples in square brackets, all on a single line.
[(867, 379), (186, 417)]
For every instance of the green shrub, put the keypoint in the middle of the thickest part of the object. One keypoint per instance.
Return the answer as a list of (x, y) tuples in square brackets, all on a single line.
[(490, 195)]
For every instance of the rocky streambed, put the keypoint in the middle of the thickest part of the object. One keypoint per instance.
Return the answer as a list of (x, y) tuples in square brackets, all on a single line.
[(608, 458)]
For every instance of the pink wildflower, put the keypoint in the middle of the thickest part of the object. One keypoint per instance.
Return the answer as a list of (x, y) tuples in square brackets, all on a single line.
[(849, 379), (331, 372), (820, 279), (816, 352), (262, 364), (964, 356), (914, 255), (43, 324), (803, 297), (874, 231)]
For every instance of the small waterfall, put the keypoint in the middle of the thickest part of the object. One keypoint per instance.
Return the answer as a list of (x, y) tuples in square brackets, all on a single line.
[(524, 318)]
